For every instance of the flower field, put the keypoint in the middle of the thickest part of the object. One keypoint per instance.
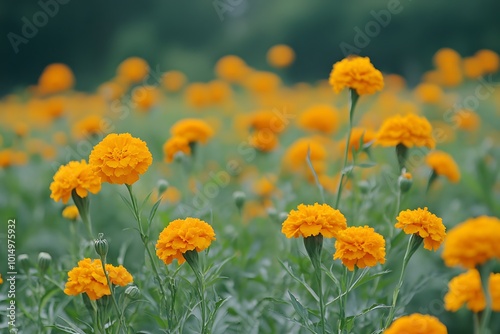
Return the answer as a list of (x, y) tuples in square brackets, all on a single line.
[(247, 204)]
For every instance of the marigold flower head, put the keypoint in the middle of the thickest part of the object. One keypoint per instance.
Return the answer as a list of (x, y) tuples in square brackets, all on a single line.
[(423, 223), (88, 126), (466, 289), (490, 60), (231, 68), (219, 91), (145, 97), (194, 130), (473, 242), (120, 158), (183, 235), (197, 95), (262, 82), (417, 324), (311, 220), (70, 212), (355, 140), (356, 73), (443, 164), (360, 246), (133, 70), (56, 78), (473, 68), (173, 81), (88, 277), (10, 157), (264, 140), (410, 130), (1, 279), (173, 145), (320, 117), (467, 120), (268, 120), (77, 176), (446, 57), (428, 93), (280, 55)]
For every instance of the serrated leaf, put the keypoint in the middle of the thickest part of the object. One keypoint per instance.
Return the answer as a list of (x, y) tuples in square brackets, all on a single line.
[(299, 308)]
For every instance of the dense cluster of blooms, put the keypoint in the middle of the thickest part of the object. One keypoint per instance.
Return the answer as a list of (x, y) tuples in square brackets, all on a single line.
[(424, 224), (356, 73)]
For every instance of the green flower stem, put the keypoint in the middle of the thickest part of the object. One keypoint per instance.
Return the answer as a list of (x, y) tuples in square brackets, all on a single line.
[(433, 177), (402, 155), (192, 259), (314, 246), (145, 241), (477, 323), (486, 313), (413, 244), (118, 311), (83, 205), (353, 100), (342, 300)]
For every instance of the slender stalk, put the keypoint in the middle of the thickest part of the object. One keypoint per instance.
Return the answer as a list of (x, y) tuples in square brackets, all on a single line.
[(412, 246), (486, 313), (342, 300), (353, 100), (118, 311), (477, 325), (145, 241), (319, 280)]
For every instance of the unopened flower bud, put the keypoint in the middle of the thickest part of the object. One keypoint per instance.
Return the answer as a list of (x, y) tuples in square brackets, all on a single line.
[(24, 262), (239, 199), (364, 186), (162, 186), (179, 156), (273, 214), (282, 216), (44, 260), (405, 181), (101, 246), (132, 292)]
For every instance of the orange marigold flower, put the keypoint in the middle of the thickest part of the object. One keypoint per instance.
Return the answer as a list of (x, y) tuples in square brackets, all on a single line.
[(473, 242), (194, 130), (410, 130), (423, 223), (56, 78), (320, 117), (219, 91), (231, 68), (70, 212), (360, 246), (1, 279), (467, 120), (9, 157), (174, 145), (355, 140), (443, 164), (173, 81), (183, 235), (145, 97), (280, 55), (311, 220), (120, 158), (417, 324), (133, 70), (490, 61), (264, 140), (267, 120), (262, 82), (90, 125), (356, 73), (473, 68), (428, 93), (446, 57), (466, 288), (197, 95), (77, 176), (88, 277)]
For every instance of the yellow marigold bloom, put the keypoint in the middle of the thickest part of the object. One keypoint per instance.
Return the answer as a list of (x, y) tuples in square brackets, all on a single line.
[(265, 186), (173, 145), (194, 130), (320, 117), (355, 140), (356, 73), (262, 82), (70, 212), (360, 246), (490, 61), (264, 140), (446, 57), (173, 81), (428, 93), (9, 157), (417, 324), (1, 279), (473, 68), (56, 78), (311, 220), (197, 95), (183, 235), (231, 68), (219, 91), (89, 126), (133, 70), (280, 55), (120, 158), (467, 120), (78, 176), (88, 277), (466, 288), (472, 242), (111, 90), (267, 120), (410, 130), (423, 223), (443, 164), (295, 156), (145, 97)]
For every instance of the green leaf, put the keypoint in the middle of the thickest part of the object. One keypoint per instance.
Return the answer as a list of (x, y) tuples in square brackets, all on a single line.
[(145, 200), (368, 164), (152, 213), (304, 284), (72, 326), (366, 279), (301, 311)]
